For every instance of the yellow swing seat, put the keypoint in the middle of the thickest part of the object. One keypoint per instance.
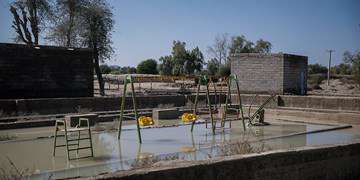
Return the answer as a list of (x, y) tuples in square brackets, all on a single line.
[(188, 117), (145, 121)]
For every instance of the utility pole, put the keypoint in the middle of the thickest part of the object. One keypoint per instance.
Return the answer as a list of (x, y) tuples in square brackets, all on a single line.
[(328, 74)]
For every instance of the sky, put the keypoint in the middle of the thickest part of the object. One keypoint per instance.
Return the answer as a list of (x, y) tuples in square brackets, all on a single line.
[(146, 28)]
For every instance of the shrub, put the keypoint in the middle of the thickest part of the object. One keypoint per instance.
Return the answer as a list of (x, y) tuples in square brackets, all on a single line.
[(317, 69), (148, 66), (224, 70)]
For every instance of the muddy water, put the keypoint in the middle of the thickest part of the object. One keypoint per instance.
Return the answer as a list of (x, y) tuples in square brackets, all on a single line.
[(112, 154)]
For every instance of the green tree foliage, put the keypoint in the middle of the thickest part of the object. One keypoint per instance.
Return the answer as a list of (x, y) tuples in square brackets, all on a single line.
[(317, 69), (262, 46), (29, 14), (106, 69), (213, 67), (194, 62), (96, 33), (342, 69), (224, 70), (148, 66), (67, 23), (353, 59), (166, 65), (181, 61), (240, 44)]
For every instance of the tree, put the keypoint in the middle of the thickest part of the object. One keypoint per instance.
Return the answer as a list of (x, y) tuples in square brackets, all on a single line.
[(148, 66), (213, 67), (68, 23), (342, 68), (262, 46), (166, 65), (105, 69), (317, 69), (194, 61), (96, 34), (181, 61), (353, 59), (179, 55), (240, 44), (224, 70), (219, 50), (33, 14)]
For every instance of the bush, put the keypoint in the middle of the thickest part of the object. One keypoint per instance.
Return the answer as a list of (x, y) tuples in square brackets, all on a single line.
[(224, 70), (105, 69), (317, 69), (148, 66), (315, 80)]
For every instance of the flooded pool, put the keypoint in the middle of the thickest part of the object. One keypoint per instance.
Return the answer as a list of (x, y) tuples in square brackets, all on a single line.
[(168, 142)]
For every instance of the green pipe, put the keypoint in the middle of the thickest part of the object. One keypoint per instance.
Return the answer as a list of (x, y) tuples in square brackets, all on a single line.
[(135, 110), (210, 109), (240, 103), (195, 105), (122, 106)]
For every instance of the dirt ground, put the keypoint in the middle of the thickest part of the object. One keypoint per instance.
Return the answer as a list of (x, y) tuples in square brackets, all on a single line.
[(114, 87), (340, 87)]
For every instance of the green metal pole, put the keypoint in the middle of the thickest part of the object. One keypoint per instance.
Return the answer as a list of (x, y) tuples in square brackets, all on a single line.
[(122, 106), (195, 105), (135, 110), (240, 103), (226, 102), (210, 109)]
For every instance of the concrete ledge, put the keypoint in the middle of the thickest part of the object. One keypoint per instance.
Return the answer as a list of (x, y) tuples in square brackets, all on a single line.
[(326, 162), (321, 102)]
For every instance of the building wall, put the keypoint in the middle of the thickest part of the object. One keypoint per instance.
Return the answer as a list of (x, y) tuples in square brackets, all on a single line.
[(44, 72), (258, 73), (295, 74), (270, 73)]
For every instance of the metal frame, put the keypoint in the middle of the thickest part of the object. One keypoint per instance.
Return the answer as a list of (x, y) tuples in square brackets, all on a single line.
[(204, 80), (129, 79), (68, 145)]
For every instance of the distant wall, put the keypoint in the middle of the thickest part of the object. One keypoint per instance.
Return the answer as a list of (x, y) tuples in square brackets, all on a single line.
[(46, 106), (44, 72)]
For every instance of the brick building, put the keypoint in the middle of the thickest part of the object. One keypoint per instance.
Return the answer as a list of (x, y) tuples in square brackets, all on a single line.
[(44, 72), (268, 73)]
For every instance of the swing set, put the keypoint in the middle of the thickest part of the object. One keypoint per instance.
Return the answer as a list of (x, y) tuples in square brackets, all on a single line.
[(206, 81)]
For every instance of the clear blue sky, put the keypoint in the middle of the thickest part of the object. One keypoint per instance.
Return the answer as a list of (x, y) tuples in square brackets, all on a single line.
[(146, 28)]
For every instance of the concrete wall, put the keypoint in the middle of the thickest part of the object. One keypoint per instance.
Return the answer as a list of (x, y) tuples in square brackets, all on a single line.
[(321, 102), (45, 106), (330, 163), (44, 71), (270, 73), (69, 105)]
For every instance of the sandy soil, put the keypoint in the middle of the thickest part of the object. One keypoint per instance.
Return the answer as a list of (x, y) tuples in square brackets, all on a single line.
[(337, 87)]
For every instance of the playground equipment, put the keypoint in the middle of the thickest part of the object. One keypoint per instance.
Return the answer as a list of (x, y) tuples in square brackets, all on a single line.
[(128, 79), (188, 117), (212, 108), (204, 80), (257, 115), (65, 127)]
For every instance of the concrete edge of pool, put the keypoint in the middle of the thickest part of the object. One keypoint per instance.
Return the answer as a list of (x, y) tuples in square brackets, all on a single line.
[(339, 161)]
